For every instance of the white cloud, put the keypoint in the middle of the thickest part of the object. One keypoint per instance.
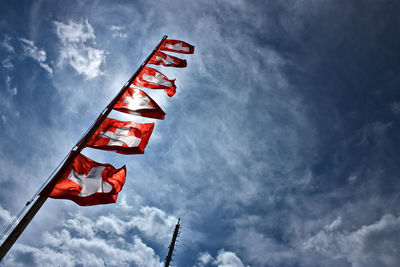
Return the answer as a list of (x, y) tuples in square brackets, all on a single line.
[(334, 225), (154, 222), (12, 90), (39, 55), (371, 245), (205, 258), (228, 259), (118, 32), (262, 250), (223, 259), (7, 108), (88, 242), (7, 64), (150, 221), (352, 179), (62, 249), (5, 216), (6, 44), (77, 48), (3, 117)]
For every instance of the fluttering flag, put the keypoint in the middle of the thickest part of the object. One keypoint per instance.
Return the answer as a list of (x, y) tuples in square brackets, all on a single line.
[(121, 136), (154, 79), (137, 102), (88, 183), (160, 58), (177, 47)]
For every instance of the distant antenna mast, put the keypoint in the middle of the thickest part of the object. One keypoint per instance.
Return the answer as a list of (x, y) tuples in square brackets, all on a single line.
[(168, 259)]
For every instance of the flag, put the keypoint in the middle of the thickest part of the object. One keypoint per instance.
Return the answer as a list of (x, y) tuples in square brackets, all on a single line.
[(177, 46), (137, 102), (121, 136), (154, 79), (88, 183), (160, 58)]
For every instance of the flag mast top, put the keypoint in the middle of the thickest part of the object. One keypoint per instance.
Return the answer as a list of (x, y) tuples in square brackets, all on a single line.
[(129, 83), (44, 194)]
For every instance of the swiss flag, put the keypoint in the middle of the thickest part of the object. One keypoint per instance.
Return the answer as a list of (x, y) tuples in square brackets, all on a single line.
[(88, 183), (137, 102), (160, 58), (121, 136), (177, 46), (154, 79)]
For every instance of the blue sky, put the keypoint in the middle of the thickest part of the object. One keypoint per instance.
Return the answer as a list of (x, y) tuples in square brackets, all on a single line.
[(280, 147)]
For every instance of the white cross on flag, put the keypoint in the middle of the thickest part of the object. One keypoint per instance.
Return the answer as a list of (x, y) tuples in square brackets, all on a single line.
[(137, 102), (160, 58), (153, 79), (122, 136), (88, 183), (177, 46)]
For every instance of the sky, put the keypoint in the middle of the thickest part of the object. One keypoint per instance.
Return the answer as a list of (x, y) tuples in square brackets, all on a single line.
[(280, 147)]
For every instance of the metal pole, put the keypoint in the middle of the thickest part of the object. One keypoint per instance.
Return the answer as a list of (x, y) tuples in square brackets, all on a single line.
[(168, 259), (43, 195)]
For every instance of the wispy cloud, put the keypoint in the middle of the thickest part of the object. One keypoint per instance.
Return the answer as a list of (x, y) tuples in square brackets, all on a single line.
[(11, 89), (118, 32), (78, 48), (368, 246), (6, 44), (7, 64), (5, 216), (39, 55)]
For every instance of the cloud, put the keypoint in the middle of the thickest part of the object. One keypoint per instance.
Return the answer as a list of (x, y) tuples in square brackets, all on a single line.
[(6, 44), (78, 48), (352, 179), (228, 259), (7, 64), (371, 245), (395, 107), (150, 221), (118, 32), (261, 249), (62, 249), (223, 259), (86, 241), (5, 216), (39, 55), (12, 90), (7, 106), (205, 258)]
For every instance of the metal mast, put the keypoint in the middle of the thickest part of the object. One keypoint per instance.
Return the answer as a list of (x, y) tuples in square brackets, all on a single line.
[(168, 259)]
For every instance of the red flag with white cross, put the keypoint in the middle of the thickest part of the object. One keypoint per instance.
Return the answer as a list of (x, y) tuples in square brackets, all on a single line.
[(136, 102), (177, 46), (88, 183), (121, 136), (160, 58), (153, 79)]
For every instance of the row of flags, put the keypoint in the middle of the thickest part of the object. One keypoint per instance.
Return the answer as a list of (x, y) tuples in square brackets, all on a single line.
[(87, 182)]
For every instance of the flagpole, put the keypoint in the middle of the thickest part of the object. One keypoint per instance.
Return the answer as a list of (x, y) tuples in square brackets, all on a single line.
[(44, 194)]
